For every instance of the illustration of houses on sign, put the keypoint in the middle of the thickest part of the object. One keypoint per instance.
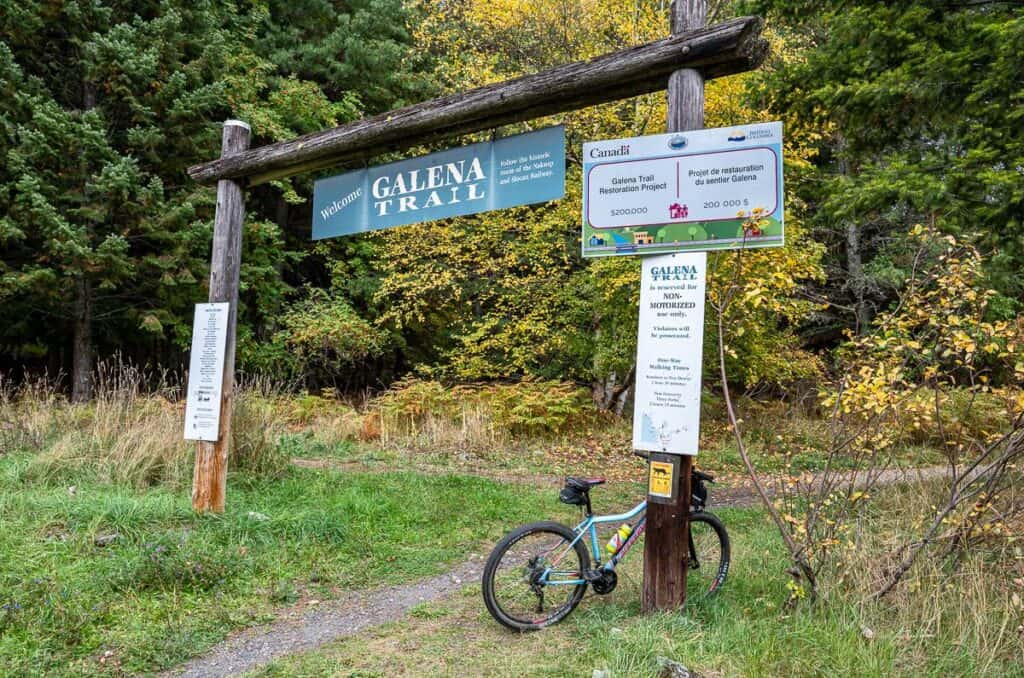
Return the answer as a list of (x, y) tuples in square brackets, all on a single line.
[(677, 211), (642, 238), (595, 241)]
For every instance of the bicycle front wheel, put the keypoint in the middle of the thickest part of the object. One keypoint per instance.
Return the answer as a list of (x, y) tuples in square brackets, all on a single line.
[(534, 577), (709, 555)]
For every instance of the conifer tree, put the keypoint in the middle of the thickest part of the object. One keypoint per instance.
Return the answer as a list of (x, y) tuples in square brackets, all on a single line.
[(916, 107), (107, 106)]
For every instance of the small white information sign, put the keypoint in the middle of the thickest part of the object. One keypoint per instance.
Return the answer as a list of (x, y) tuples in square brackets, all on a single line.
[(666, 415), (206, 372)]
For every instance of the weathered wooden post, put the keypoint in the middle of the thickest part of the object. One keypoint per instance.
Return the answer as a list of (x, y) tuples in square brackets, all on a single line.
[(666, 554), (209, 480)]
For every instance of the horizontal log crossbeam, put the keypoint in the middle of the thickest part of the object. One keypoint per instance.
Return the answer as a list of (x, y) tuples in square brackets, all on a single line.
[(724, 49)]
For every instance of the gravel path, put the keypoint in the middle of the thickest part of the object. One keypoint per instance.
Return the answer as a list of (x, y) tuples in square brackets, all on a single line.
[(328, 621), (742, 494), (332, 620), (745, 494)]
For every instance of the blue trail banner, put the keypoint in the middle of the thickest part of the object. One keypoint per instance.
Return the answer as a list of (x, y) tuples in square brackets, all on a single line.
[(517, 170)]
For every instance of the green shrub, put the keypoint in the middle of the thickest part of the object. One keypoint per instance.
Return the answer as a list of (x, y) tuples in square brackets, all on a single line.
[(326, 335), (529, 407)]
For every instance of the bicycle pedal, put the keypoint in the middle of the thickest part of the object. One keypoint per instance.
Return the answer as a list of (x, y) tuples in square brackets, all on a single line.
[(592, 575)]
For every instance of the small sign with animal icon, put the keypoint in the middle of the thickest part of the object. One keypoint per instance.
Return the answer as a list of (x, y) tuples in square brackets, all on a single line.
[(662, 477)]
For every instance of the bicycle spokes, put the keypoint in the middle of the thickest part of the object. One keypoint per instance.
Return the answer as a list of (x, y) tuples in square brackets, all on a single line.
[(709, 555), (537, 577)]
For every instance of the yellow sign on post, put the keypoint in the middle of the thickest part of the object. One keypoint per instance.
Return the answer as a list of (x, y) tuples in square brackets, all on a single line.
[(660, 481)]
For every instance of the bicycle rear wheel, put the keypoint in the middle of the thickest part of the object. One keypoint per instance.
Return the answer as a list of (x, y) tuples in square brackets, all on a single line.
[(528, 579), (709, 555)]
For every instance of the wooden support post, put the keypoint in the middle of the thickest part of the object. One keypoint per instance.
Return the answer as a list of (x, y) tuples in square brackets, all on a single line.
[(209, 480), (666, 555)]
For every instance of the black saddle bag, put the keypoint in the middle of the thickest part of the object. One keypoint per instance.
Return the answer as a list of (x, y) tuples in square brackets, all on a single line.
[(572, 495)]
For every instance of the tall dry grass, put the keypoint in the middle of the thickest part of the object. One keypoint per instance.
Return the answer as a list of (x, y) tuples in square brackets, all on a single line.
[(972, 600), (479, 415), (132, 431)]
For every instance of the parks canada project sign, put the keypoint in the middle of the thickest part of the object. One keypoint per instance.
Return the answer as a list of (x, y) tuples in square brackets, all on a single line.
[(508, 172), (690, 191)]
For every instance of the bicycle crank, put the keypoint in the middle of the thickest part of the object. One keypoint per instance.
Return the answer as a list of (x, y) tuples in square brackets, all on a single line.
[(605, 583)]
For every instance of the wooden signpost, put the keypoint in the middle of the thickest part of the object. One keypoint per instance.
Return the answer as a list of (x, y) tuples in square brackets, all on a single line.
[(666, 555), (692, 54), (210, 474)]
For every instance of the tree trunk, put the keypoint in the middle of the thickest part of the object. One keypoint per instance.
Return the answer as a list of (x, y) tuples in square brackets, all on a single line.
[(281, 213), (81, 354), (856, 280), (81, 369)]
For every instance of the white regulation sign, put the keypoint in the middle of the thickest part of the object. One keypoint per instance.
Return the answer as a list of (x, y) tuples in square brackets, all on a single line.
[(666, 416), (206, 372)]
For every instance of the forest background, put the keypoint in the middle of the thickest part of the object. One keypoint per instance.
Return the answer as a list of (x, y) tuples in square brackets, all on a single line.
[(896, 115), (428, 385)]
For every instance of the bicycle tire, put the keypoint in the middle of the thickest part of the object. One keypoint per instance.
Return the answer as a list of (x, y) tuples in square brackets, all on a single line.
[(709, 584), (520, 622)]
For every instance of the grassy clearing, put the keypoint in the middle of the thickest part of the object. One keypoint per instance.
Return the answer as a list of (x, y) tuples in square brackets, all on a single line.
[(745, 631), (603, 450), (170, 584)]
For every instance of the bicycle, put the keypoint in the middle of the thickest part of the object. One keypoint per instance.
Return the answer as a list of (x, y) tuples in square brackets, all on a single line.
[(529, 565)]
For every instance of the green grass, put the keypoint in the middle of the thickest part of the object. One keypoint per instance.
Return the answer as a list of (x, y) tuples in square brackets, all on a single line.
[(171, 583), (745, 631)]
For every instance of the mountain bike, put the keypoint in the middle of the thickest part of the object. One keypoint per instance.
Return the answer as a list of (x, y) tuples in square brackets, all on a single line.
[(538, 573)]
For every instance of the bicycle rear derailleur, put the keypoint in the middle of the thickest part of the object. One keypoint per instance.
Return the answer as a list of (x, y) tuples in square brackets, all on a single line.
[(602, 581)]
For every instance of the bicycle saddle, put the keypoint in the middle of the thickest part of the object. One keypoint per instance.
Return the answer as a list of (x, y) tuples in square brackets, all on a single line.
[(584, 483)]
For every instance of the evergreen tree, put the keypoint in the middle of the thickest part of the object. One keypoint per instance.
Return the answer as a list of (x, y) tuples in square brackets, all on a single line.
[(103, 238), (107, 107), (916, 107)]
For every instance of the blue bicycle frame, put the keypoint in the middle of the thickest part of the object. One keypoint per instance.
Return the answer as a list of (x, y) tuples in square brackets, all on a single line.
[(589, 527)]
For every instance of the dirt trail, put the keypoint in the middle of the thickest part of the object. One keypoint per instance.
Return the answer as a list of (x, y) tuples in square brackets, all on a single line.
[(363, 467), (332, 620), (328, 621), (741, 494)]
